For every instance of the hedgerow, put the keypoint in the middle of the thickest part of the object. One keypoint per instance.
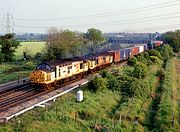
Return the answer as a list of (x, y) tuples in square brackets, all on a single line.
[(164, 116)]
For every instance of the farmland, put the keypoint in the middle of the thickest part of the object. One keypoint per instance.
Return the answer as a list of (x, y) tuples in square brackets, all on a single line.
[(11, 70), (31, 48)]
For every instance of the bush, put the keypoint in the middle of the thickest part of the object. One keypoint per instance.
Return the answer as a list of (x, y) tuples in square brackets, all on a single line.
[(125, 85), (155, 59), (164, 116), (132, 61), (166, 52), (161, 73), (113, 83), (29, 65), (146, 55), (154, 53), (140, 70), (97, 84)]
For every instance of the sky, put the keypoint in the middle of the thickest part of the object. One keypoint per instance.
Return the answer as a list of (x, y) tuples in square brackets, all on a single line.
[(38, 16)]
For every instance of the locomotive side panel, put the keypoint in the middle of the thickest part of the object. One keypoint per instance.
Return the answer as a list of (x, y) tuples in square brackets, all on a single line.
[(115, 55)]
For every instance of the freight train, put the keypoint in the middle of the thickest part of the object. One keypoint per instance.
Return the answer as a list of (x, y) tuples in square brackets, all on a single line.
[(49, 74)]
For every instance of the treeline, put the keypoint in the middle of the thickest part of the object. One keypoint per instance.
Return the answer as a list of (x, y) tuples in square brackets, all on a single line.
[(173, 39), (136, 84), (60, 44), (66, 44)]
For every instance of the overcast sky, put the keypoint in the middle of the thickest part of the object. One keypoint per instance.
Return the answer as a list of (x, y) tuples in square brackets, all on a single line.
[(79, 15)]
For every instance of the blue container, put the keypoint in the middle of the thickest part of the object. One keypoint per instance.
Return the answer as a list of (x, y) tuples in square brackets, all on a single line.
[(129, 53), (145, 47), (124, 54)]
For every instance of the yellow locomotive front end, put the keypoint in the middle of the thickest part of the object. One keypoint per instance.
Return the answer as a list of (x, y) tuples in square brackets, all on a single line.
[(39, 77), (42, 77)]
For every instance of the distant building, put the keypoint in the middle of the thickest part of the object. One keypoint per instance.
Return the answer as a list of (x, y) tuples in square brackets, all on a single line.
[(130, 38)]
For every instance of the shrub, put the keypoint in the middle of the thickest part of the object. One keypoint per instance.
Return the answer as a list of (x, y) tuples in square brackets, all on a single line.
[(29, 65), (132, 61), (97, 84), (154, 53), (112, 80), (161, 73), (140, 70), (166, 52), (146, 55), (155, 59)]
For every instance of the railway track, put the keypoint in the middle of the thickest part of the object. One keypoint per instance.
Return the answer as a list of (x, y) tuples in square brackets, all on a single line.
[(10, 98), (15, 89), (22, 94)]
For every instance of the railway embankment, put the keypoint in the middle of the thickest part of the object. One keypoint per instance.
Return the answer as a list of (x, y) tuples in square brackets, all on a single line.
[(176, 81)]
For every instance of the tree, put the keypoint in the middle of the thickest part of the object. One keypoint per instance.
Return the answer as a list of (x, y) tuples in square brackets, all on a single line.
[(94, 38), (154, 53), (63, 44), (173, 39), (8, 46), (140, 70), (166, 52), (112, 81), (132, 61)]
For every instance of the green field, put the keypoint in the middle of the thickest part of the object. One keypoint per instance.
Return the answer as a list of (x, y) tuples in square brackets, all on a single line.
[(9, 70), (31, 48)]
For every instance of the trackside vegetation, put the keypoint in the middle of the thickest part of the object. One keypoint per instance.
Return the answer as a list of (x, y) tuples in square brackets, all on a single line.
[(164, 118), (117, 100)]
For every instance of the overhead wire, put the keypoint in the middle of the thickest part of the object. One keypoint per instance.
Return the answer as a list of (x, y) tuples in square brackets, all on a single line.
[(127, 21), (112, 23), (160, 5), (157, 27)]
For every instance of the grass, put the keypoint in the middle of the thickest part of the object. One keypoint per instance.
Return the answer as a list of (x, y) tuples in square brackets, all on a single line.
[(11, 71), (31, 48), (8, 71), (98, 110), (68, 115)]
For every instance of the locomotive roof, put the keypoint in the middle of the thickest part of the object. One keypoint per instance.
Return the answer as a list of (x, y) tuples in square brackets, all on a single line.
[(91, 56), (63, 62)]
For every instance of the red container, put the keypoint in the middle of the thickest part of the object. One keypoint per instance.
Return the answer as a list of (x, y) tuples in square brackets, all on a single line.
[(135, 50), (116, 55), (157, 43)]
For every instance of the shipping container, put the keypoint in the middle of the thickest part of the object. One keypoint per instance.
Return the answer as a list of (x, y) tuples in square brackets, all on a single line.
[(135, 50), (116, 55), (145, 47), (157, 43), (123, 54), (129, 52), (141, 48)]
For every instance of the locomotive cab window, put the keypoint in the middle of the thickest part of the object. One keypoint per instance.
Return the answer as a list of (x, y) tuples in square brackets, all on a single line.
[(43, 66), (104, 59), (82, 66)]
